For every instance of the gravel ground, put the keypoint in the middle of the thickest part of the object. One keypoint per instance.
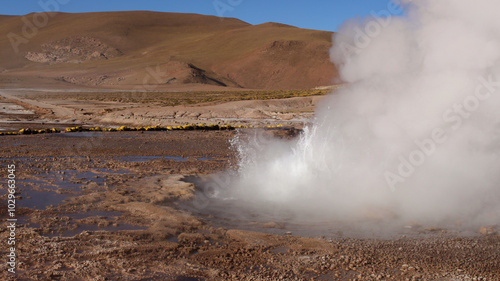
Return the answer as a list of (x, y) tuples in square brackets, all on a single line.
[(105, 206)]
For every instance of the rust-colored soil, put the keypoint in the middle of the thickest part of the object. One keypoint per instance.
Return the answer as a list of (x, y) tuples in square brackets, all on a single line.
[(161, 51), (113, 214)]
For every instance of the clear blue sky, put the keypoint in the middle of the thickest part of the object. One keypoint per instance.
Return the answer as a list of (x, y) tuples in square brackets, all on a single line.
[(314, 14)]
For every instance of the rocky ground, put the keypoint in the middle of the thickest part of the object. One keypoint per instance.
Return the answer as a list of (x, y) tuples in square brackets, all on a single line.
[(89, 209)]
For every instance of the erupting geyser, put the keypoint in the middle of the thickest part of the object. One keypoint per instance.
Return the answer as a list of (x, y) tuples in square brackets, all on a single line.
[(414, 136)]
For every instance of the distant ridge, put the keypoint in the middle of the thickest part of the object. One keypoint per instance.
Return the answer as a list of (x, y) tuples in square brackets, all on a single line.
[(160, 50)]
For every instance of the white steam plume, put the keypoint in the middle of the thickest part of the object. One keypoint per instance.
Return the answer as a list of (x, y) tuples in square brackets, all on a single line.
[(414, 136)]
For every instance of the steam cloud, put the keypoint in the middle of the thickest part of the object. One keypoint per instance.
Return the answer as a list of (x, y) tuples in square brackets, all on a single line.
[(413, 137)]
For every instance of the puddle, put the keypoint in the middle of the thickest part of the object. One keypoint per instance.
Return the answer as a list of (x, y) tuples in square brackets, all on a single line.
[(47, 188), (52, 182), (149, 158), (110, 171), (206, 158), (31, 159), (173, 239), (70, 180), (40, 200), (80, 135), (130, 158), (281, 220), (89, 176), (238, 214), (95, 135), (31, 182), (52, 188), (26, 222), (15, 159)]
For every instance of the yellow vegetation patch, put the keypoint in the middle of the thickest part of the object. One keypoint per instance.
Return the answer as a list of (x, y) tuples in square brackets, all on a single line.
[(190, 127)]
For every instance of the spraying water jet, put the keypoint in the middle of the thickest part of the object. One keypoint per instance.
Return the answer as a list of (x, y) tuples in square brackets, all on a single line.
[(413, 139)]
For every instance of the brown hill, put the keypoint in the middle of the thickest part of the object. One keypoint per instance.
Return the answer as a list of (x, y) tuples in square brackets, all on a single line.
[(154, 50)]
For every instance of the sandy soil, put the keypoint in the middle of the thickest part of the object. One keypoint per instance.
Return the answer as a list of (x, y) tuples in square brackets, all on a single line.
[(64, 110), (89, 209)]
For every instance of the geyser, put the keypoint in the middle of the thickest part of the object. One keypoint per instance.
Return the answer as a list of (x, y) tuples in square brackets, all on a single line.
[(414, 136)]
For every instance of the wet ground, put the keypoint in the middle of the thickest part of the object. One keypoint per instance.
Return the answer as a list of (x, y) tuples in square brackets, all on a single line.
[(123, 206)]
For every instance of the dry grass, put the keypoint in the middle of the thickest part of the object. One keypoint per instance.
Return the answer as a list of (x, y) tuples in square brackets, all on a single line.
[(182, 98)]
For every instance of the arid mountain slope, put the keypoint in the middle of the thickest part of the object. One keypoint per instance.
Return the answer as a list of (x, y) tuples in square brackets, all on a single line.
[(154, 50)]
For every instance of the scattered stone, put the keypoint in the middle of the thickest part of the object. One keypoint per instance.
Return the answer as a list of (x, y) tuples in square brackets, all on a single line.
[(488, 230)]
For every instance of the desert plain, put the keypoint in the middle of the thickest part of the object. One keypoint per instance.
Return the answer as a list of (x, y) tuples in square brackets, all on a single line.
[(95, 204)]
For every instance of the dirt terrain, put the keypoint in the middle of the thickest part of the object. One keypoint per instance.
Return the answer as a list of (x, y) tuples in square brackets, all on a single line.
[(88, 209), (130, 205), (162, 51), (62, 109)]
